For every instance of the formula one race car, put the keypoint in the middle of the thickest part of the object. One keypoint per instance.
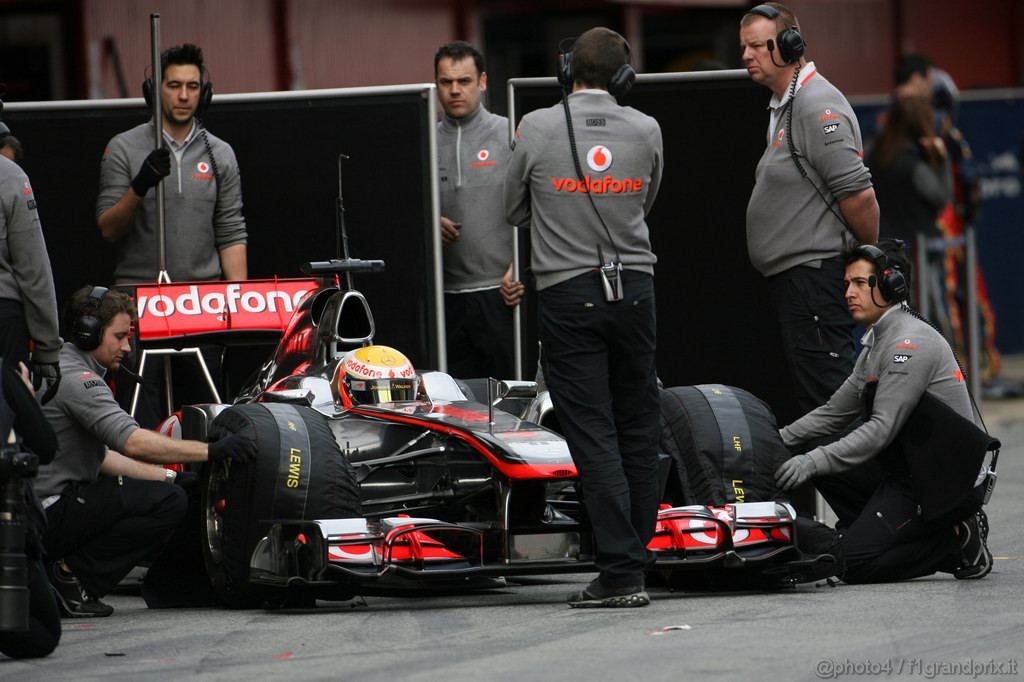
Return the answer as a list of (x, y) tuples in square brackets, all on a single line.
[(374, 476)]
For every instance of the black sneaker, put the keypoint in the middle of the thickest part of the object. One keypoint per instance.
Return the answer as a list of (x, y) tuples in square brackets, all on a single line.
[(598, 596), (975, 559), (73, 599)]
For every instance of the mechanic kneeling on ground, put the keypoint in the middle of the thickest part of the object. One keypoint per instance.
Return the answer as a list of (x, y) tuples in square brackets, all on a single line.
[(870, 477), (108, 504)]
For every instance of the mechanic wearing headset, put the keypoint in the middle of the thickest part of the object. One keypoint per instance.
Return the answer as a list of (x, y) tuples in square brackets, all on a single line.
[(108, 511), (205, 231), (206, 235), (479, 291), (592, 258), (866, 475), (801, 217)]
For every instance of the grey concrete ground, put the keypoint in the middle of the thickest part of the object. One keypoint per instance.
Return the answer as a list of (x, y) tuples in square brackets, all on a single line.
[(932, 628)]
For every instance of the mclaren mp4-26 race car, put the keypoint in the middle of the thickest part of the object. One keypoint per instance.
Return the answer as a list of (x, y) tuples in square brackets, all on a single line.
[(373, 476)]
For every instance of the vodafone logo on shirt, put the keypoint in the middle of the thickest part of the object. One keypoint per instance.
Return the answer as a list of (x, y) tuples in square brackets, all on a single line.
[(599, 158), (483, 158), (203, 167)]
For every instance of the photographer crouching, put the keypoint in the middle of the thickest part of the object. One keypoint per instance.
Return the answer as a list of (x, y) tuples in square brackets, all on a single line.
[(29, 619)]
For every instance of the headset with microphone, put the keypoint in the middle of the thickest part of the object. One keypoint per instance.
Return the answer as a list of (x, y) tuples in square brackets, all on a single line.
[(618, 85), (87, 329), (891, 281), (790, 43)]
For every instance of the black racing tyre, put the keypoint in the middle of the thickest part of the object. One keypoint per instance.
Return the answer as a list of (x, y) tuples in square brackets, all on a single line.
[(693, 481), (724, 443), (299, 473)]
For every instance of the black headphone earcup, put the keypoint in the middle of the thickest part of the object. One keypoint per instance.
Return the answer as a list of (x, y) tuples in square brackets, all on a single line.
[(86, 332), (621, 82), (896, 283), (791, 45), (147, 91), (205, 97)]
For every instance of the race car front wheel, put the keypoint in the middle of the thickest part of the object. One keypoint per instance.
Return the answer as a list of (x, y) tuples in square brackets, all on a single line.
[(299, 474)]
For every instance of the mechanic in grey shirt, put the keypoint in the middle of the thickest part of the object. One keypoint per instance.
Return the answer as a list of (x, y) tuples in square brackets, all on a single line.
[(812, 198), (205, 231), (109, 505), (863, 475), (206, 236), (480, 291), (598, 353), (28, 304)]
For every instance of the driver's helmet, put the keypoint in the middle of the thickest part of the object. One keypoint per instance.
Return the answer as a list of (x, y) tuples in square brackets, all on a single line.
[(377, 374)]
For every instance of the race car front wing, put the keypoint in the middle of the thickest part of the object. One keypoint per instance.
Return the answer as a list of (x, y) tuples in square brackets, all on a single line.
[(400, 549)]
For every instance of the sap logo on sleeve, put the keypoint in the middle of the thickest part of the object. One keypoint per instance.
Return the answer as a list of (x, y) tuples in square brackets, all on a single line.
[(830, 128)]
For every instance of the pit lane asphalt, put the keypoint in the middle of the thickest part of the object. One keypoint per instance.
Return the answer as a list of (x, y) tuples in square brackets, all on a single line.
[(525, 632)]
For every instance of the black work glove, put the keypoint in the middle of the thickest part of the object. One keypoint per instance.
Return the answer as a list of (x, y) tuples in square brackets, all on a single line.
[(185, 479), (795, 471), (155, 168), (49, 371), (236, 446)]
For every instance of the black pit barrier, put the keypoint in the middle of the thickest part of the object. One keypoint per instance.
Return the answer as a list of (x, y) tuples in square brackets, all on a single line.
[(287, 145)]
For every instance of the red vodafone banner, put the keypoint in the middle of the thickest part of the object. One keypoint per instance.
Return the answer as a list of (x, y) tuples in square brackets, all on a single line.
[(172, 310)]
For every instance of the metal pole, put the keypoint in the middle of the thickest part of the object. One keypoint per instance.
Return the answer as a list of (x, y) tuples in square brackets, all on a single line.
[(921, 256), (158, 140), (435, 230), (517, 314), (973, 331)]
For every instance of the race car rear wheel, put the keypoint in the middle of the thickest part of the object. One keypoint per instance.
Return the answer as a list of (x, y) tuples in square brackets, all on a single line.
[(299, 474)]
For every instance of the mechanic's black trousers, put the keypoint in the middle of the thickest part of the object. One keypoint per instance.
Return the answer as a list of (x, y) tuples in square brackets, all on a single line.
[(598, 360), (817, 330), (884, 537), (104, 529), (478, 326)]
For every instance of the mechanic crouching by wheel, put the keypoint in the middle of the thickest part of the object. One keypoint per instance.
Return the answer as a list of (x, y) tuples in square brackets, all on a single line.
[(592, 258), (109, 505), (873, 477)]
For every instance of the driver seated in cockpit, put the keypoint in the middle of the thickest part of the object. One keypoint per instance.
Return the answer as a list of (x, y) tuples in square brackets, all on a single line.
[(372, 375)]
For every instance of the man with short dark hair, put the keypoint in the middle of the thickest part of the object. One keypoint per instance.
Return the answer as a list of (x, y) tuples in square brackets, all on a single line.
[(595, 291), (812, 198), (109, 504), (473, 149), (205, 230), (866, 474)]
